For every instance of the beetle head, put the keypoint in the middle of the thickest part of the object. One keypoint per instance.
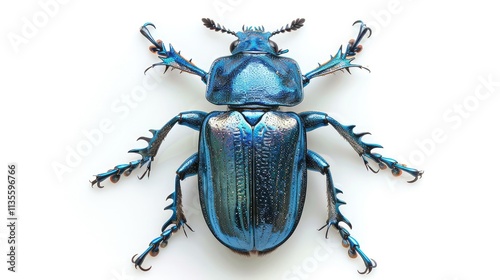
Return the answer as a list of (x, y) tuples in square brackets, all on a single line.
[(254, 39)]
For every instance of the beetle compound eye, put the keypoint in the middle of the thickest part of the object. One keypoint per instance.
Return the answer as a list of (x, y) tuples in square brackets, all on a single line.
[(274, 46), (233, 45)]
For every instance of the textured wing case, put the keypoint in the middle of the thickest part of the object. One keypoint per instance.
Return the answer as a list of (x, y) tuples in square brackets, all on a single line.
[(252, 177)]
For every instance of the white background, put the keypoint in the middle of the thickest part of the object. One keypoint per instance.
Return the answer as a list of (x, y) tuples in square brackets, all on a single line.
[(69, 67)]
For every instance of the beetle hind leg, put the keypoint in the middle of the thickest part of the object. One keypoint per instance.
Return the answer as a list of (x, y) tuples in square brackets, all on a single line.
[(335, 218), (177, 220)]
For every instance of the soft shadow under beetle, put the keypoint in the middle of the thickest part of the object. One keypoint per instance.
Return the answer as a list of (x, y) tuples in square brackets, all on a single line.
[(253, 158)]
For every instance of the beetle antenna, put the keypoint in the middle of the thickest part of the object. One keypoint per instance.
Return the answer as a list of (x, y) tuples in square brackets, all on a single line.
[(296, 24), (210, 24)]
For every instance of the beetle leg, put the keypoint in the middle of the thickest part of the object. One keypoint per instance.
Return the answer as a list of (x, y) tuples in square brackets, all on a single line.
[(342, 60), (177, 220), (349, 242), (192, 119), (315, 120), (316, 163), (170, 58), (354, 47)]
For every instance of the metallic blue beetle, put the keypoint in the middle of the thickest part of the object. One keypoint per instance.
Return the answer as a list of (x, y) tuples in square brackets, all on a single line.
[(253, 158)]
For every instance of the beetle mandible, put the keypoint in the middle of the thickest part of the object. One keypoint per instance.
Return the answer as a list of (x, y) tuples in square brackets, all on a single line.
[(252, 158)]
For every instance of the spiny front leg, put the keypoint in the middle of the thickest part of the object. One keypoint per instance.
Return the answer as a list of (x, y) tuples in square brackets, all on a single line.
[(177, 220), (342, 60), (315, 120), (316, 163), (192, 119), (169, 57)]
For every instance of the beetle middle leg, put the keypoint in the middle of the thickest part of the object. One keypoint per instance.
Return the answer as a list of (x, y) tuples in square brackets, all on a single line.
[(316, 163), (192, 119), (177, 220), (315, 120)]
